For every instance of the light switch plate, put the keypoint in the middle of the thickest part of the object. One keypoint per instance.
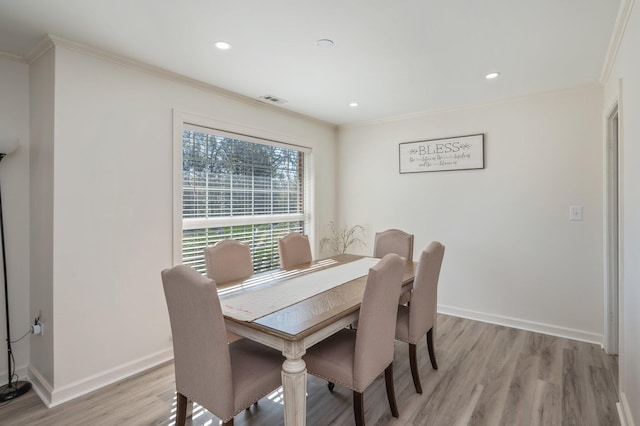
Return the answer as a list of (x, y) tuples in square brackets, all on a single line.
[(575, 213)]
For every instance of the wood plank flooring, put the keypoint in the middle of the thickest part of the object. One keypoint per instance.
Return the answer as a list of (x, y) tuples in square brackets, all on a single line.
[(488, 375)]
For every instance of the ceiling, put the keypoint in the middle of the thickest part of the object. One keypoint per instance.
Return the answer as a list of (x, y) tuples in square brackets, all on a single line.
[(392, 57)]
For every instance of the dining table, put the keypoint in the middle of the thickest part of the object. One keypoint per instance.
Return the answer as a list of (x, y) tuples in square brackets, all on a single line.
[(293, 309)]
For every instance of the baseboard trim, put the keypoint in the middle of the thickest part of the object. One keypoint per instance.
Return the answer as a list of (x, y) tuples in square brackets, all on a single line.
[(624, 412), (52, 396), (40, 386), (553, 330)]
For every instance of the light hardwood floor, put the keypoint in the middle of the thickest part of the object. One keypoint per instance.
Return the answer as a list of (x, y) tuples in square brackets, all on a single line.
[(488, 375)]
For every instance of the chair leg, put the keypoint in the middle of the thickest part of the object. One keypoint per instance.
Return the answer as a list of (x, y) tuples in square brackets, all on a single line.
[(432, 354), (413, 362), (331, 385), (358, 408), (391, 393), (181, 409)]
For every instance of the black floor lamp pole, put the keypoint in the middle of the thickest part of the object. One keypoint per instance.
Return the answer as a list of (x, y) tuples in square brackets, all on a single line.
[(12, 389)]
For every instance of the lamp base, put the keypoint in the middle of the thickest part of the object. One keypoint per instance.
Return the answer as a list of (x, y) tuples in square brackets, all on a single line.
[(9, 392)]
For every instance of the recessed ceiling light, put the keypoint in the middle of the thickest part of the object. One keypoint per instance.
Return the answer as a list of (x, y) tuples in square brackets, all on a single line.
[(353, 104), (223, 45), (492, 75), (324, 43)]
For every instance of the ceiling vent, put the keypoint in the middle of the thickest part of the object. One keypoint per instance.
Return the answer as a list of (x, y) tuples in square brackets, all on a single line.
[(272, 99)]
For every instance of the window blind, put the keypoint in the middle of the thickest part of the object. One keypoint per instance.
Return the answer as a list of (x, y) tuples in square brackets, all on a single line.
[(239, 187)]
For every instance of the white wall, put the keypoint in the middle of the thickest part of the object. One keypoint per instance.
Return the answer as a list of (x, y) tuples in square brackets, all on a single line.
[(112, 209), (512, 255), (626, 73), (41, 192), (14, 177)]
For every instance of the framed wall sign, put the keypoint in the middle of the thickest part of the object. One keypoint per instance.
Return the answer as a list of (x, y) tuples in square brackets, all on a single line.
[(457, 153)]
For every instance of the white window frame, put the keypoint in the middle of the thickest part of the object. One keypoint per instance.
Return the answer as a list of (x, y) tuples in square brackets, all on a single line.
[(182, 121)]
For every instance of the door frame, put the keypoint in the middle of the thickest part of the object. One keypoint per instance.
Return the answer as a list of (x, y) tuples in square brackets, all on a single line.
[(612, 264)]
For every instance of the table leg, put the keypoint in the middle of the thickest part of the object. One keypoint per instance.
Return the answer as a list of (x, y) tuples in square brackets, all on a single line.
[(294, 385)]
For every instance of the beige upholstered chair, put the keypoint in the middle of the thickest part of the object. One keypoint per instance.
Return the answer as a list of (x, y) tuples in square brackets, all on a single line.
[(228, 260), (420, 317), (223, 378), (354, 358), (294, 250), (398, 242), (393, 241)]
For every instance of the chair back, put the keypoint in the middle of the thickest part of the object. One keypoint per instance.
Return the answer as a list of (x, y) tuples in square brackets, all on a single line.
[(200, 349), (424, 296), (377, 320), (393, 241), (228, 260), (294, 250)]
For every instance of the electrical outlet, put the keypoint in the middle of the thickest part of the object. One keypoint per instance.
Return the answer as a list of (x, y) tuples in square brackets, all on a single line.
[(37, 328)]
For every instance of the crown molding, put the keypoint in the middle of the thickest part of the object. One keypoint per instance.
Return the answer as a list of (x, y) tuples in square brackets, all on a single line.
[(616, 38), (54, 41), (39, 49), (12, 57), (470, 106)]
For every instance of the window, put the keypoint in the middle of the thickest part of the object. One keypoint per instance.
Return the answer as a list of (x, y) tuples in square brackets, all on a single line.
[(242, 188)]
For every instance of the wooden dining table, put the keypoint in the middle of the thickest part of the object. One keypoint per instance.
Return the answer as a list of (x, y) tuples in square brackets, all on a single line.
[(293, 309)]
